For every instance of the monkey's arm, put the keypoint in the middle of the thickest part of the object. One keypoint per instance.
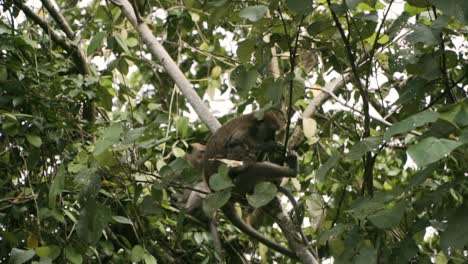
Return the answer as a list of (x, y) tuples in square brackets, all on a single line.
[(245, 177)]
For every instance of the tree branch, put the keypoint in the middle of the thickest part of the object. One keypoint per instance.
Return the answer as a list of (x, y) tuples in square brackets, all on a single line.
[(168, 63), (298, 135), (43, 24), (58, 17)]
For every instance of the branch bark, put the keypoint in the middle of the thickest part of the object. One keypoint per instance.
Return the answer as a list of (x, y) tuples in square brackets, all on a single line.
[(58, 17), (168, 63), (79, 58), (297, 136)]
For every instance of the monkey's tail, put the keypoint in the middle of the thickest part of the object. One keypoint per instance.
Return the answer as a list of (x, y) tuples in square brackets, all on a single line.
[(231, 214)]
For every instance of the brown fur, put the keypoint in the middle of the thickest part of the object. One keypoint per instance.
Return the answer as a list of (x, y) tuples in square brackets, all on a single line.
[(238, 129), (246, 139)]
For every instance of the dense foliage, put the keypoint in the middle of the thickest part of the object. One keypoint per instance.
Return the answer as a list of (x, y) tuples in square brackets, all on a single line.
[(382, 170)]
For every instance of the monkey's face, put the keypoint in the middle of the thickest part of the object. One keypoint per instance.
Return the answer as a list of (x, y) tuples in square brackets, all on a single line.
[(196, 154)]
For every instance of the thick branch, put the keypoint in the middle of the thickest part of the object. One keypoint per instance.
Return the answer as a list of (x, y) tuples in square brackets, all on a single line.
[(166, 61), (58, 17), (288, 229), (43, 24), (77, 54)]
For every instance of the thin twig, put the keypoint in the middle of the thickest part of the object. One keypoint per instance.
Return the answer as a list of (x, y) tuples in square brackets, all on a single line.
[(364, 95)]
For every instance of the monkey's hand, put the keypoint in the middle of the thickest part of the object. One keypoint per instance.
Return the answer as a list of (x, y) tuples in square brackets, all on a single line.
[(234, 171), (291, 160)]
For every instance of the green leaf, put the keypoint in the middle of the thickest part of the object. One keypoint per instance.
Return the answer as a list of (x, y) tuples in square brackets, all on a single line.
[(19, 256), (422, 34), (362, 147), (96, 42), (33, 158), (254, 13), (244, 79), (58, 184), (182, 127), (73, 255), (151, 204), (364, 207), (327, 166), (419, 3), (93, 219), (456, 113), (319, 27), (122, 220), (34, 140), (456, 234), (352, 3), (132, 42), (133, 134), (464, 136), (122, 43), (413, 91), (427, 67), (51, 251), (300, 6), (334, 233), (138, 253), (245, 49), (221, 180), (110, 137), (411, 123), (455, 8), (431, 150), (214, 201), (264, 192), (3, 73), (421, 176), (367, 254), (316, 208), (388, 217), (149, 259), (384, 39), (310, 130), (273, 90), (217, 70)]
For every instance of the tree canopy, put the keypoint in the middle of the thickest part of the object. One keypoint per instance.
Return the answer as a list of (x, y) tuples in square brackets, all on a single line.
[(100, 100)]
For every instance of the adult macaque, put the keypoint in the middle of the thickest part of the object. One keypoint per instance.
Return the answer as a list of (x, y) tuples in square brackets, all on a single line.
[(249, 140)]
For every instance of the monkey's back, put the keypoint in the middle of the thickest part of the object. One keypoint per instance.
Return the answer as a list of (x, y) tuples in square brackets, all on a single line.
[(233, 141), (218, 147)]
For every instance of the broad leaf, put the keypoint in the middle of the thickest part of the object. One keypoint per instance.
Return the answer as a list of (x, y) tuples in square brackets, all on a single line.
[(362, 147), (34, 140), (73, 255), (19, 256), (138, 253), (456, 234), (456, 8), (411, 123), (327, 166), (264, 192), (431, 150), (93, 219), (214, 201), (254, 13), (221, 180)]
